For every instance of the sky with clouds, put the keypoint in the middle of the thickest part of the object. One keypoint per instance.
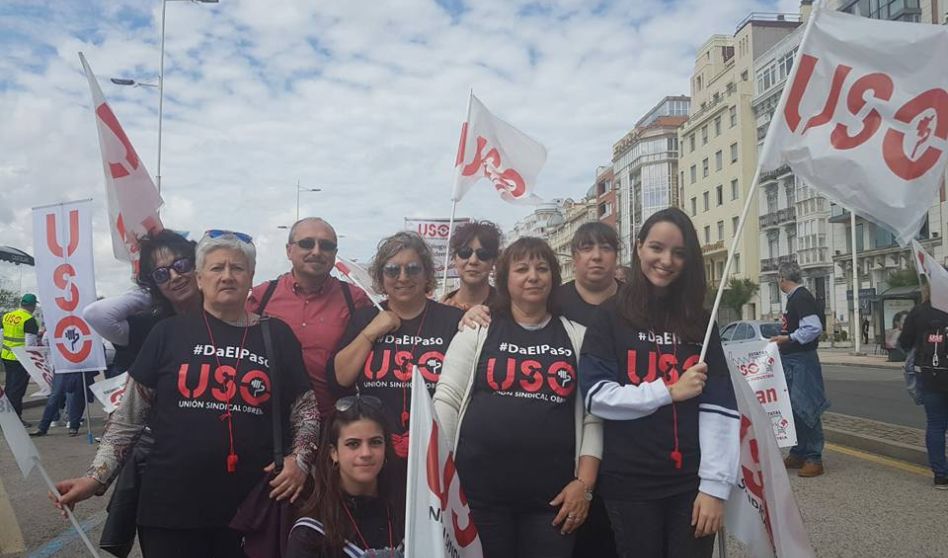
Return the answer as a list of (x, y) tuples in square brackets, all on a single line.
[(361, 99)]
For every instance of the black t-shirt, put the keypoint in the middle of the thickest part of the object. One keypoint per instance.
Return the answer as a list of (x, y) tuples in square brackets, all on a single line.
[(517, 440), (800, 304), (374, 518), (139, 326), (186, 483), (386, 374), (636, 462), (570, 304)]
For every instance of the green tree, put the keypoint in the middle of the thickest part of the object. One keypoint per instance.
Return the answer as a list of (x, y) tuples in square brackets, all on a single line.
[(903, 278), (9, 300), (738, 293)]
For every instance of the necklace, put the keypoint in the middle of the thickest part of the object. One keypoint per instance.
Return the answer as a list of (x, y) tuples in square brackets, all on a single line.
[(355, 527), (231, 391), (405, 415)]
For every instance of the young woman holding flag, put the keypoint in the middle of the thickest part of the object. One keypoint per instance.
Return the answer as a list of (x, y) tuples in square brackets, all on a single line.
[(671, 425)]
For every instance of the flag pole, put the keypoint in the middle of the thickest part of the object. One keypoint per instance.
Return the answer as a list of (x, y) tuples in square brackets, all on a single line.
[(69, 514), (454, 195), (85, 397), (447, 250), (762, 156), (856, 327)]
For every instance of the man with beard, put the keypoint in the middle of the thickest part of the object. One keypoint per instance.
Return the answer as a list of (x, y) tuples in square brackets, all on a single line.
[(314, 304)]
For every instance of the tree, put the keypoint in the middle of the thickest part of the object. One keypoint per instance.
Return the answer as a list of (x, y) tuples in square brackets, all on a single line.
[(903, 278), (738, 293), (9, 300)]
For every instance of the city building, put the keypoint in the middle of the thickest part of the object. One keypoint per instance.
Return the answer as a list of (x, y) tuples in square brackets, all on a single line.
[(562, 227), (645, 168), (605, 193), (537, 223), (718, 142)]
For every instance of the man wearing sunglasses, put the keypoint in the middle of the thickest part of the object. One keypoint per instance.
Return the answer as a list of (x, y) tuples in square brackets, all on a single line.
[(316, 305)]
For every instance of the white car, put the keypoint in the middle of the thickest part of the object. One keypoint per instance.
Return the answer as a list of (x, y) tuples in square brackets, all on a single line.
[(749, 330)]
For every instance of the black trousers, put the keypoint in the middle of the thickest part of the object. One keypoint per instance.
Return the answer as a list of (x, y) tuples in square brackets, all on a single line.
[(658, 528), (594, 537), (220, 542), (511, 533), (15, 386)]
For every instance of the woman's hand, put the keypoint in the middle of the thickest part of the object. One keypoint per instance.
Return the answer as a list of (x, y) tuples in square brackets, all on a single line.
[(382, 323), (707, 515), (574, 508), (477, 316), (690, 384), (289, 483), (74, 491)]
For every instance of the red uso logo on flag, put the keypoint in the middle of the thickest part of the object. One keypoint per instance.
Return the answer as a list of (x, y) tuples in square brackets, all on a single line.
[(489, 164), (73, 336), (925, 117)]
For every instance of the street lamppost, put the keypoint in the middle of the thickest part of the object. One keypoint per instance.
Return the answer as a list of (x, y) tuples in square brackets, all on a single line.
[(301, 189)]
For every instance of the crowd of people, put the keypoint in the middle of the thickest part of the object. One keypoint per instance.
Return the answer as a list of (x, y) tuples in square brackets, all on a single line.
[(582, 421)]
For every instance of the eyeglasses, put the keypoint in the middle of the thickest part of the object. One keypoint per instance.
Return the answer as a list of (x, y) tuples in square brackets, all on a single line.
[(483, 254), (162, 275), (217, 233), (349, 401), (394, 271), (310, 243)]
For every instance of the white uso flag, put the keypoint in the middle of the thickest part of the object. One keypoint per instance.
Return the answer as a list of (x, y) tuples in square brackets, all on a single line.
[(493, 149), (65, 278), (35, 361), (937, 276), (760, 365), (762, 513), (862, 125), (132, 197), (438, 521), (24, 452), (109, 392), (358, 276)]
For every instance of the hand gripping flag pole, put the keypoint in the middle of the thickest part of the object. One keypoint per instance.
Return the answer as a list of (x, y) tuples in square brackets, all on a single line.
[(72, 517)]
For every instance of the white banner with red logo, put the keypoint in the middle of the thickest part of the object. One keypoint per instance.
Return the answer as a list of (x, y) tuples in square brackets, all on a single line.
[(133, 200), (862, 124), (761, 512), (937, 276), (759, 363), (109, 392), (21, 445), (436, 232), (65, 278), (438, 520), (35, 361), (360, 277), (493, 149)]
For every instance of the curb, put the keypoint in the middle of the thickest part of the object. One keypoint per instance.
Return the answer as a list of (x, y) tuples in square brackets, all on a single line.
[(874, 444), (886, 365)]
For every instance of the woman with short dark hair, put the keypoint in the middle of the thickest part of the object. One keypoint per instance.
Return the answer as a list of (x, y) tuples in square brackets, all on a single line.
[(474, 248)]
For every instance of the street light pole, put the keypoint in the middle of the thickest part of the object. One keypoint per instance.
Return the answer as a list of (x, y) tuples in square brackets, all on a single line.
[(301, 189), (161, 90)]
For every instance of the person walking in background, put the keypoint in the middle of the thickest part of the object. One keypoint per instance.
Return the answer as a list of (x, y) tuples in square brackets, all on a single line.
[(19, 329), (799, 338)]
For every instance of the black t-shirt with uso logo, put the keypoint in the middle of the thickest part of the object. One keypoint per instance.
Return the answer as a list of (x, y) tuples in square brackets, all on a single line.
[(186, 483), (517, 440), (387, 370)]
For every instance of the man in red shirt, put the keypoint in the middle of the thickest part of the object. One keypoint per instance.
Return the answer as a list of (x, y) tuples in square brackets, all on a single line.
[(314, 304)]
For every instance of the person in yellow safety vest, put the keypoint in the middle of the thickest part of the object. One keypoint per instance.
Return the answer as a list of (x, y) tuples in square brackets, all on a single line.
[(19, 329)]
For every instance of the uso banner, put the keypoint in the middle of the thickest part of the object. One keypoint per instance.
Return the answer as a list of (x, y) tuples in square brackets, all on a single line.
[(65, 278), (435, 233), (438, 522), (109, 392), (759, 364), (35, 361)]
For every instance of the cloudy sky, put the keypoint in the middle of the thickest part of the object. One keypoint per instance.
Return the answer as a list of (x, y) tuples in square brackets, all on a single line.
[(361, 99)]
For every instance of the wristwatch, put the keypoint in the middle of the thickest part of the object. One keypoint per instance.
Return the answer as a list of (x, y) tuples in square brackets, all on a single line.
[(587, 492)]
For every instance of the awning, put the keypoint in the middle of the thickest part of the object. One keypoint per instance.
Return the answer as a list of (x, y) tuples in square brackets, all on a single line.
[(13, 255)]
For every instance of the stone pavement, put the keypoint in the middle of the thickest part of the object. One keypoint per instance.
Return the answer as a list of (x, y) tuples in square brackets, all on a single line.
[(890, 440)]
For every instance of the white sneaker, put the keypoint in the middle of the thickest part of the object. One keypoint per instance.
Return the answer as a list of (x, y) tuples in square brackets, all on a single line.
[(54, 424)]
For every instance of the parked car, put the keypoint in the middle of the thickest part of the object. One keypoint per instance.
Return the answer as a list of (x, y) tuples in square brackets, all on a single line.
[(749, 330)]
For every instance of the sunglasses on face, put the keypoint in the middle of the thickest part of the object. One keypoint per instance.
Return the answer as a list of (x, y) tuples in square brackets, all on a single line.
[(394, 271), (217, 233), (483, 254), (343, 404), (162, 275), (310, 243)]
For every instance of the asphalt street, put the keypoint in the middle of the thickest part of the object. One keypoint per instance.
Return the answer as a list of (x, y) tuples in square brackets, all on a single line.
[(874, 393)]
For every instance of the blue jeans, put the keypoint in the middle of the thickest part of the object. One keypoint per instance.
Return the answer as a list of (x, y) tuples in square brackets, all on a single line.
[(808, 398), (66, 387), (936, 413)]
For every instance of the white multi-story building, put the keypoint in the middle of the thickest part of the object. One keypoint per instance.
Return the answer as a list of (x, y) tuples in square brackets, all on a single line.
[(537, 223)]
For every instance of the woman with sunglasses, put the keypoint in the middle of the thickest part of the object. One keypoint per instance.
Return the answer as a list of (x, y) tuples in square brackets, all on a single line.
[(671, 427), (474, 247), (380, 349), (203, 382), (526, 452), (356, 505)]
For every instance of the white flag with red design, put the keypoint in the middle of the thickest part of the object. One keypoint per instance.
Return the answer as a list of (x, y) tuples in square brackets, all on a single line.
[(937, 276), (761, 512), (358, 276), (36, 362), (109, 392), (133, 200), (21, 445), (438, 522), (863, 125), (493, 149)]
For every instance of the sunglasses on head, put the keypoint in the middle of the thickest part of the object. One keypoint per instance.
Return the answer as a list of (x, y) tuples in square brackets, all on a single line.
[(343, 404), (162, 274), (217, 233), (394, 271), (483, 254), (310, 243)]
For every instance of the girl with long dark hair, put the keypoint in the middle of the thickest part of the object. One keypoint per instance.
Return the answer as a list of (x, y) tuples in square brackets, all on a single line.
[(355, 506), (671, 428)]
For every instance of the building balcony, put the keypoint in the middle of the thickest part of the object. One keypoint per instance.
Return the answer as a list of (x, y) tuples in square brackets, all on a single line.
[(770, 265), (713, 248), (777, 218), (775, 174)]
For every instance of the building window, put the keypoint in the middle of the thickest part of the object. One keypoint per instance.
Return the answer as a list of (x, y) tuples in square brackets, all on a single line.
[(734, 222), (717, 126), (720, 269), (733, 115), (718, 161), (682, 182), (734, 191), (744, 75), (720, 230), (691, 141), (704, 135), (704, 168), (737, 263), (774, 294), (719, 191), (707, 234), (706, 197), (733, 152), (694, 206), (694, 174)]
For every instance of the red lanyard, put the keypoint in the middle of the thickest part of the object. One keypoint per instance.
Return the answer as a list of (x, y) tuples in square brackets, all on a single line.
[(227, 415), (675, 454), (405, 415), (355, 526)]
